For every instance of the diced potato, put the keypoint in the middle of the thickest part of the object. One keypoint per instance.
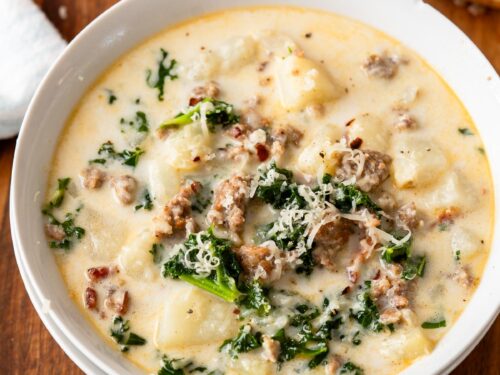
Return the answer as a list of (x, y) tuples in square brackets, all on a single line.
[(193, 317), (163, 180), (135, 258), (251, 366), (405, 344), (372, 131), (237, 52), (302, 82), (275, 43), (417, 161), (451, 192), (186, 146), (317, 157), (205, 67), (463, 240)]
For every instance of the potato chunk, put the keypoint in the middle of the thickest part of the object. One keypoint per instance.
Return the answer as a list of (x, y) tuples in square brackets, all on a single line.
[(416, 161), (466, 242), (372, 131), (193, 317), (405, 345), (251, 366), (302, 82), (237, 52), (135, 258), (188, 147), (452, 191)]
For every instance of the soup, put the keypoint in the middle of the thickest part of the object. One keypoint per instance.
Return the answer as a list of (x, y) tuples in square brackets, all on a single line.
[(270, 190)]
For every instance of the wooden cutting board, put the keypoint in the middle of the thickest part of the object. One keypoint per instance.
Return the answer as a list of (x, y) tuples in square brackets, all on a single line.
[(26, 348)]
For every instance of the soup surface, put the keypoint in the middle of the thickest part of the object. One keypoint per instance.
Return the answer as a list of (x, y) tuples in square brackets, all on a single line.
[(270, 190)]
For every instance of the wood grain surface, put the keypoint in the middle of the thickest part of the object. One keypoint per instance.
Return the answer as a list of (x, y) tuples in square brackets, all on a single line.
[(27, 348)]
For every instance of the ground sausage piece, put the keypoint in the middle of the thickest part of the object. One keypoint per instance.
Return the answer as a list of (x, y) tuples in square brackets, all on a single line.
[(375, 169), (124, 188), (90, 297), (97, 273), (253, 258), (462, 277), (407, 215), (230, 198), (117, 301), (381, 66), (177, 212), (271, 348), (390, 316), (282, 137), (329, 240), (92, 178), (210, 90), (332, 367), (56, 232)]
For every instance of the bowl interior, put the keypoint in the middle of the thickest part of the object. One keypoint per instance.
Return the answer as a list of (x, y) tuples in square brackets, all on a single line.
[(448, 50)]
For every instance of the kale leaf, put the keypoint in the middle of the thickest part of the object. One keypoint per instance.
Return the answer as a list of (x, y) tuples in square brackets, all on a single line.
[(127, 157), (146, 202), (120, 333), (255, 298), (164, 72), (244, 342), (413, 267), (367, 316), (351, 369), (71, 231), (58, 196), (218, 113), (347, 197), (139, 123), (434, 325)]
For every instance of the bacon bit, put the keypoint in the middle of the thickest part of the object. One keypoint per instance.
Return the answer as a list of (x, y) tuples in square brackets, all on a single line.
[(236, 311), (118, 302), (447, 216), (90, 297), (349, 123), (356, 143), (97, 273), (194, 101), (238, 130), (262, 151), (346, 290), (196, 159)]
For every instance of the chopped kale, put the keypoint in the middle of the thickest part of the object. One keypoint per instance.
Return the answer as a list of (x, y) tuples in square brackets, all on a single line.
[(397, 252), (413, 267), (367, 316), (111, 96), (146, 202), (220, 279), (156, 251), (120, 333), (126, 157), (255, 298), (457, 255), (170, 367), (351, 369), (181, 367), (58, 196), (434, 325), (465, 131), (244, 342), (290, 348), (139, 123), (164, 71), (355, 339), (217, 113), (71, 231), (201, 200), (349, 197)]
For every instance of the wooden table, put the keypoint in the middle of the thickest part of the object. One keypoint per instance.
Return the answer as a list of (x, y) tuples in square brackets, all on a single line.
[(27, 348)]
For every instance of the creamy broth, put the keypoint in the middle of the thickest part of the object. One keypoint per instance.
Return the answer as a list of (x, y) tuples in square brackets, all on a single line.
[(388, 249)]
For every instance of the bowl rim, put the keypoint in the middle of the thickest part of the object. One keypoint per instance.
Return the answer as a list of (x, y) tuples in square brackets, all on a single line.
[(60, 330)]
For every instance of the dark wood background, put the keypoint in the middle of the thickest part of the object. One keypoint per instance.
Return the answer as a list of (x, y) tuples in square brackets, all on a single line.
[(25, 345)]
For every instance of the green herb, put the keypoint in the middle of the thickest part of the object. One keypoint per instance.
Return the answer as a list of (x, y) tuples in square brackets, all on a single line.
[(111, 96), (71, 231), (443, 227), (434, 325), (350, 197), (182, 367), (367, 316), (58, 196), (170, 367), (221, 280), (201, 200), (126, 157), (120, 333), (218, 113), (355, 339), (256, 298), (457, 255), (351, 369), (146, 202), (413, 267), (139, 122), (164, 72), (481, 150), (465, 131), (290, 348), (244, 342), (397, 252), (156, 250)]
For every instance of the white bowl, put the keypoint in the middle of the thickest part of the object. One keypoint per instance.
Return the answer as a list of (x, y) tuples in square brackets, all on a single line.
[(128, 23)]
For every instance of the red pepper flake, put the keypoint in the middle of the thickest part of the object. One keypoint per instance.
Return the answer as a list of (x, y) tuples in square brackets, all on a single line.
[(97, 273), (193, 101), (356, 143), (196, 159), (90, 297), (236, 311), (262, 151), (349, 123)]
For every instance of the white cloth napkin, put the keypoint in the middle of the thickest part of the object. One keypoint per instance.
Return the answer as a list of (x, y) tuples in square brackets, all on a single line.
[(29, 44)]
